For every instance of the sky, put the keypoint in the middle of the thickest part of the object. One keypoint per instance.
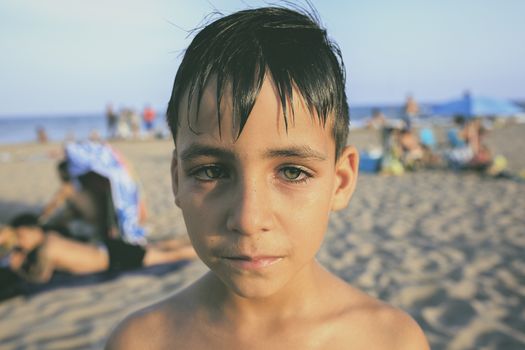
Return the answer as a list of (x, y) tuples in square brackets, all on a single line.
[(60, 57)]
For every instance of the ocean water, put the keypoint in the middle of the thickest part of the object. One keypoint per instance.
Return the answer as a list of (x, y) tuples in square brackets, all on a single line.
[(58, 128)]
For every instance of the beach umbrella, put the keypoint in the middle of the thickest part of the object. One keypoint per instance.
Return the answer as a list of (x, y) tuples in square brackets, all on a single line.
[(472, 106)]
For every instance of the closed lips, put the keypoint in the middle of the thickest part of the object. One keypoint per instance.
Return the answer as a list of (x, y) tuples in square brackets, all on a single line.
[(253, 262)]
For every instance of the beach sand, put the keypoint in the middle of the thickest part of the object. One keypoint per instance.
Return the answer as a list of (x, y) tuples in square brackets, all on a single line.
[(447, 247)]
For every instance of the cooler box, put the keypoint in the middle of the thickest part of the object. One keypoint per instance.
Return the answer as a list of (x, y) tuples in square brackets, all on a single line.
[(369, 164)]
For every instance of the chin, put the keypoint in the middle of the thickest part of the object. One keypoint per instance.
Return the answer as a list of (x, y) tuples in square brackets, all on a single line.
[(253, 287)]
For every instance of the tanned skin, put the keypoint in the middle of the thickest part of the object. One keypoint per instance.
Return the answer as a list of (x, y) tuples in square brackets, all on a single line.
[(257, 208)]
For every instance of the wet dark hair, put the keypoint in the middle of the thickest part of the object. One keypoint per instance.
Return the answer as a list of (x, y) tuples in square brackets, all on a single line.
[(24, 219), (243, 48), (29, 219)]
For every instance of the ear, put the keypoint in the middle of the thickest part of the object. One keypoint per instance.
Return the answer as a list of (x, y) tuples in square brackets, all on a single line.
[(346, 170), (175, 176)]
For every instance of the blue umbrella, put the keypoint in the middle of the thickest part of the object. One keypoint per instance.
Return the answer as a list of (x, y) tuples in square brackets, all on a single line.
[(471, 106)]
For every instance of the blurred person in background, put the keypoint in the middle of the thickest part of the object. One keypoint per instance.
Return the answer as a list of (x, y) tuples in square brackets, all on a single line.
[(148, 117), (35, 252), (111, 121), (410, 111)]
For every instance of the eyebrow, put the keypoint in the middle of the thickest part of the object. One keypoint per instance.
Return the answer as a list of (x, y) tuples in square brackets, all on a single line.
[(302, 152), (196, 150)]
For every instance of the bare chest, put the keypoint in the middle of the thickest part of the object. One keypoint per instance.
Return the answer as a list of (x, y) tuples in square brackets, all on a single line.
[(295, 337)]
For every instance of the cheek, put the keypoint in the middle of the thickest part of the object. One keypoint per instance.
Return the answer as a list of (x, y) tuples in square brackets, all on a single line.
[(201, 217), (306, 220), (312, 206), (310, 228), (196, 222)]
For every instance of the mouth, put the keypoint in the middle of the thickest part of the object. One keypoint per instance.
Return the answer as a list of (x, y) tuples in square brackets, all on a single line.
[(245, 262)]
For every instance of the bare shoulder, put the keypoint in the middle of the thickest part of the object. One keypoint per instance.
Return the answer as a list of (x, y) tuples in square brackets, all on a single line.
[(395, 329), (137, 331), (381, 326), (149, 328)]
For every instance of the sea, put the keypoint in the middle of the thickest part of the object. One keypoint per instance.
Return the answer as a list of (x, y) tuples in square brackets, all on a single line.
[(23, 129)]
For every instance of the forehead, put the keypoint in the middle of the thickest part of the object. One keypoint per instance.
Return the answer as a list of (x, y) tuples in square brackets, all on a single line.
[(266, 121)]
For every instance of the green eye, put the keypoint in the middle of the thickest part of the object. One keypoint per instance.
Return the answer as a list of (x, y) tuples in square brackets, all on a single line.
[(213, 172), (209, 173), (292, 173), (295, 174)]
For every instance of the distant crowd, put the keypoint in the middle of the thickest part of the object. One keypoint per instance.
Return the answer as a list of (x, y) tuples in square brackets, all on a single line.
[(405, 147), (128, 124)]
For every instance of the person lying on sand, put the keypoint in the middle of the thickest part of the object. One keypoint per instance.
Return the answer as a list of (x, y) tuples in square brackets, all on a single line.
[(34, 253)]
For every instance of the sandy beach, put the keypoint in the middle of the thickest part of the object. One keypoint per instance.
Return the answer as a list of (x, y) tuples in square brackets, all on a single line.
[(447, 247)]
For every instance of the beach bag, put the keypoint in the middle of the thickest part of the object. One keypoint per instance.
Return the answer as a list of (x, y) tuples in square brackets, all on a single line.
[(390, 165)]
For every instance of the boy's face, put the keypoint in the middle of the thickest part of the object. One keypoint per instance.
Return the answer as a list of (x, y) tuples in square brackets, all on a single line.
[(257, 207)]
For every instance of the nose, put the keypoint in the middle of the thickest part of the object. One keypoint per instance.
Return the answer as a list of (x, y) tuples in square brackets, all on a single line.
[(250, 210)]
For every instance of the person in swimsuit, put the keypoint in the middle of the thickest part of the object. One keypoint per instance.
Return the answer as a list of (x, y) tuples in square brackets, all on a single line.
[(35, 252)]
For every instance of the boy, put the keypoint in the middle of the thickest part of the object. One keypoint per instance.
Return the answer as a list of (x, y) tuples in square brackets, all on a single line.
[(260, 120)]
